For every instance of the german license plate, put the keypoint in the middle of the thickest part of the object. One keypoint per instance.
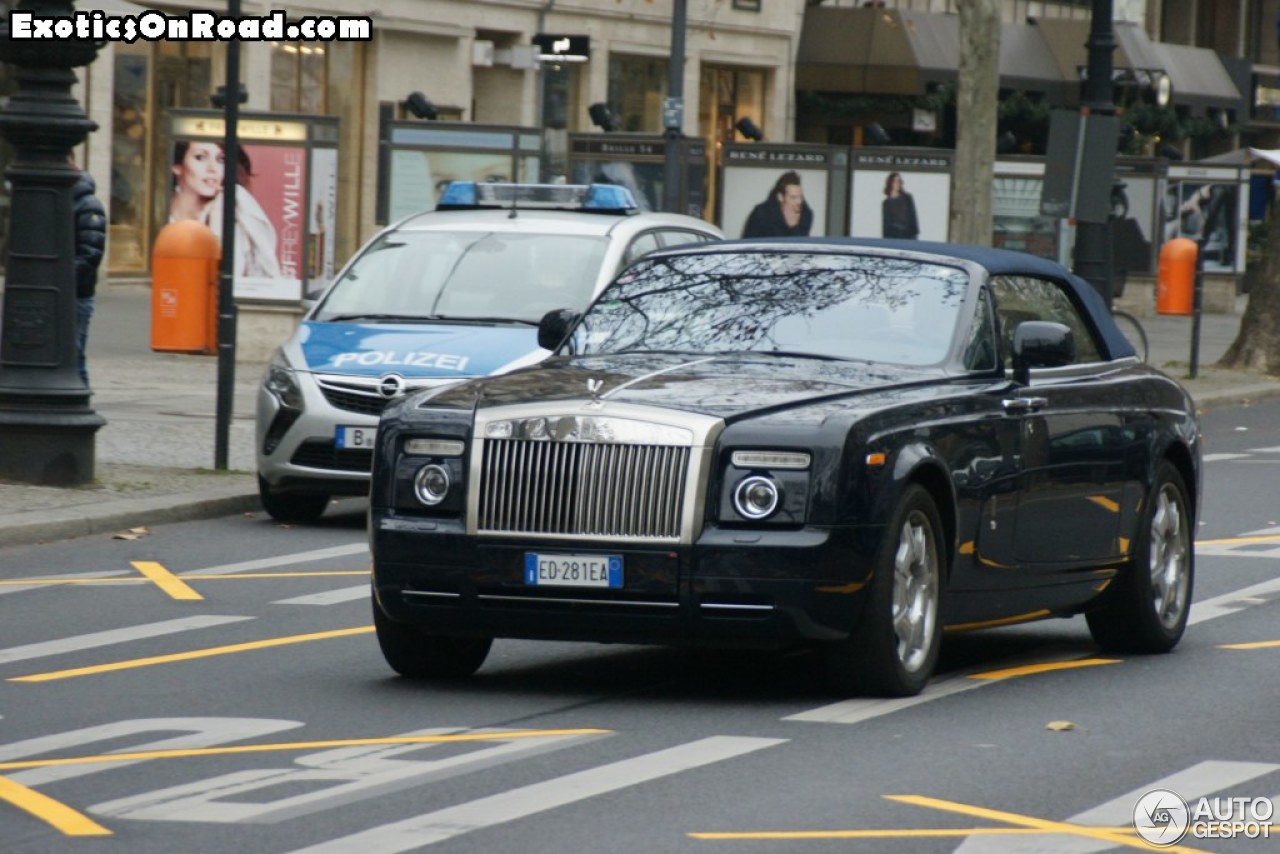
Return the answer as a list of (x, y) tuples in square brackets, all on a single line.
[(559, 570), (356, 438)]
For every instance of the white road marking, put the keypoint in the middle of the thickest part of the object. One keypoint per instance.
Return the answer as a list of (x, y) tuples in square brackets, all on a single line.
[(1198, 781), (1230, 603), (858, 710), (1217, 458), (7, 589), (329, 597), (283, 560), (360, 548), (448, 823), (119, 737), (327, 779), (113, 636)]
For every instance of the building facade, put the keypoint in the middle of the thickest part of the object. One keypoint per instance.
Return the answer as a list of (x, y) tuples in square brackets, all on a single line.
[(779, 63)]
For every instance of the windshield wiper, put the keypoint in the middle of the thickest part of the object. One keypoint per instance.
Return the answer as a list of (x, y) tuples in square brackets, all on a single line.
[(376, 318), (798, 354), (454, 319)]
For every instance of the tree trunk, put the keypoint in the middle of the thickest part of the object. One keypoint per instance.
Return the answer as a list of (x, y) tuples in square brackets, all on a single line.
[(1257, 344), (976, 101)]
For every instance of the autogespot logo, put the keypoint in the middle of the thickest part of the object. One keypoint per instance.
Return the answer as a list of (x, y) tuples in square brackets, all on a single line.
[(1161, 817)]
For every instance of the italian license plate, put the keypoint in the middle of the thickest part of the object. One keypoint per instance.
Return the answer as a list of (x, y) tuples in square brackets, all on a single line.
[(356, 438), (558, 570)]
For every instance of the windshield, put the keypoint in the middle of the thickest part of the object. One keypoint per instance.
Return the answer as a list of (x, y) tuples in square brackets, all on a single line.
[(466, 275), (861, 307)]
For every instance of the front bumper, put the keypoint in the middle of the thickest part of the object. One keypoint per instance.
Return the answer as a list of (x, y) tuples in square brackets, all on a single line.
[(729, 588), (296, 450)]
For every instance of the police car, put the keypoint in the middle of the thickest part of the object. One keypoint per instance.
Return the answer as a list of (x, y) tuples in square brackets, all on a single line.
[(437, 298)]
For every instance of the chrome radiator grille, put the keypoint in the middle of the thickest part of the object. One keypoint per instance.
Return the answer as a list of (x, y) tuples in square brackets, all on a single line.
[(578, 488)]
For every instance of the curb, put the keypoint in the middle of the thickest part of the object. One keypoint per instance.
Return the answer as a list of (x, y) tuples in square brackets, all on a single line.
[(44, 525)]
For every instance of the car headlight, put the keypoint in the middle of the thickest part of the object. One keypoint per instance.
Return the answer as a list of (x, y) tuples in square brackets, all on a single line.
[(430, 475), (431, 484), (756, 497), (766, 486), (282, 382)]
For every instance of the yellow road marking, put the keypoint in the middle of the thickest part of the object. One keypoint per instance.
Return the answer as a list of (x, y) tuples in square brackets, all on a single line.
[(187, 656), (1032, 669), (31, 582), (922, 833), (165, 580), (1105, 503), (1105, 834), (58, 815), (295, 745), (1269, 538), (1254, 645)]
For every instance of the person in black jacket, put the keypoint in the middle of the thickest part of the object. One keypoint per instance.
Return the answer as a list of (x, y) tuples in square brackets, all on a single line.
[(898, 210), (91, 241), (784, 214)]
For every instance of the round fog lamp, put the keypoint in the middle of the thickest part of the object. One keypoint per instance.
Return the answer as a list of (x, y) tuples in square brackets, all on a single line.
[(431, 484), (756, 497)]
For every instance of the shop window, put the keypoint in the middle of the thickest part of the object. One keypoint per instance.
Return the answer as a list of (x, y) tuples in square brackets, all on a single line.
[(299, 78), (637, 89)]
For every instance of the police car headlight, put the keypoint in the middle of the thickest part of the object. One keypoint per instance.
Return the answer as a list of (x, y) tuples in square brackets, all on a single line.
[(282, 382), (431, 484)]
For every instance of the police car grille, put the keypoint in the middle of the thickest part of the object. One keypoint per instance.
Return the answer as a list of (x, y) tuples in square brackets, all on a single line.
[(577, 488), (322, 454), (354, 401)]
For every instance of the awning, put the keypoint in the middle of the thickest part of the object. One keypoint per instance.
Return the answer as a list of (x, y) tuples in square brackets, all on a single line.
[(1026, 64), (900, 52), (1266, 157), (1198, 77), (885, 51)]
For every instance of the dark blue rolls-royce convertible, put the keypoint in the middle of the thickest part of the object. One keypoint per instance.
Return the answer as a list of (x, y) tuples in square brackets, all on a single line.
[(853, 445)]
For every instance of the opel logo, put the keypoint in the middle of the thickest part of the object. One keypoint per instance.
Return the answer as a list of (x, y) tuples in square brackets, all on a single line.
[(392, 385)]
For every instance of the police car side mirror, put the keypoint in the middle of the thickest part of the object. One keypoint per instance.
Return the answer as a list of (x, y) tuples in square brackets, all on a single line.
[(555, 326)]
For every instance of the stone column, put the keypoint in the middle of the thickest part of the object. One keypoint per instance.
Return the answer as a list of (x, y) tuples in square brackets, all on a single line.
[(46, 424)]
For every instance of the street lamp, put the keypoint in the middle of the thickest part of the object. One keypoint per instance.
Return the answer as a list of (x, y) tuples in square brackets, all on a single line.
[(46, 425)]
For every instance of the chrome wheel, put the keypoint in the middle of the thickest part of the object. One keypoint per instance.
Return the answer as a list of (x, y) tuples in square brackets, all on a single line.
[(915, 591), (1170, 558), (1145, 610)]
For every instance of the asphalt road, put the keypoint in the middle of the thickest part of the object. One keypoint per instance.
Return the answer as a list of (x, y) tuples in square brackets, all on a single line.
[(233, 661)]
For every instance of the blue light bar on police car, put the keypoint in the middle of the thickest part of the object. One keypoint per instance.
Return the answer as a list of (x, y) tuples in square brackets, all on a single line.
[(605, 198)]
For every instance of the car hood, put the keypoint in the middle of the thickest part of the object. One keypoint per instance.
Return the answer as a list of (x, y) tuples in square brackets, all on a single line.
[(724, 386), (435, 350)]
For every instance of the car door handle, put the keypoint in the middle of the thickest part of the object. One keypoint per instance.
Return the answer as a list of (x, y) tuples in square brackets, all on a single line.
[(1024, 404)]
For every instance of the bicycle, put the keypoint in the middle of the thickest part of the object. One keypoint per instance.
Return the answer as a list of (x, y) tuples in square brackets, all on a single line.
[(1133, 332)]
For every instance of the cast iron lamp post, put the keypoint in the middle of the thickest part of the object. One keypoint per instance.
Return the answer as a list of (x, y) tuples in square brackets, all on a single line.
[(46, 425)]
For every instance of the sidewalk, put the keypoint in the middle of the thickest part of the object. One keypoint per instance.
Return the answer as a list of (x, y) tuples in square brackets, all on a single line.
[(155, 456)]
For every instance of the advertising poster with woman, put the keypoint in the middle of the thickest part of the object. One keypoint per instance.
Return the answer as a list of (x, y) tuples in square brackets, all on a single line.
[(901, 196), (271, 214)]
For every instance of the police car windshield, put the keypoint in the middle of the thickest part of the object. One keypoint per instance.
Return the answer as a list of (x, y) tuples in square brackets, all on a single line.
[(464, 275)]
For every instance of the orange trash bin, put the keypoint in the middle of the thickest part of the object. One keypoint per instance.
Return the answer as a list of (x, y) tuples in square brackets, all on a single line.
[(1176, 277), (184, 288)]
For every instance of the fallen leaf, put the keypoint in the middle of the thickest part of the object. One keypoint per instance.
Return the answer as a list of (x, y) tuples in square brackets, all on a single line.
[(139, 531), (1059, 726), (125, 535)]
